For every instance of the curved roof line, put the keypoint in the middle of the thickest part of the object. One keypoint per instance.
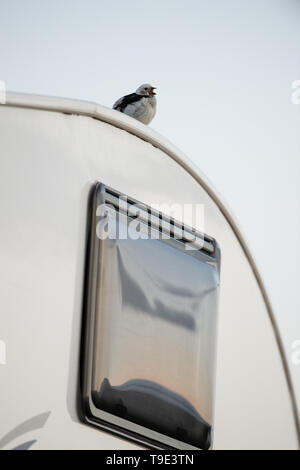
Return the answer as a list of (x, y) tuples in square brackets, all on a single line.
[(122, 121)]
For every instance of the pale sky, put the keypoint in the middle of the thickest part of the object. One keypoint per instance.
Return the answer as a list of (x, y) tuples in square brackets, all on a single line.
[(223, 69)]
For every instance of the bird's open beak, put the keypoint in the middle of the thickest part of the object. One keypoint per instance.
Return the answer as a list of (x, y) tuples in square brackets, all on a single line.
[(152, 90)]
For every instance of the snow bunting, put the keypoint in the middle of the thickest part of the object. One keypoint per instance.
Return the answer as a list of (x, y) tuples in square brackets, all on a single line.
[(140, 105)]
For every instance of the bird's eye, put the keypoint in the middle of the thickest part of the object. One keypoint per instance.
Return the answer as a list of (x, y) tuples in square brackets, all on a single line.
[(146, 89)]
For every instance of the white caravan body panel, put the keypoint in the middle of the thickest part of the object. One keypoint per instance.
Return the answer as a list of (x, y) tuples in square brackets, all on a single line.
[(52, 152)]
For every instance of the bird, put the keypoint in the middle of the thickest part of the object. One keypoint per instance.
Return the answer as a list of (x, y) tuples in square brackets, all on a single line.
[(140, 105)]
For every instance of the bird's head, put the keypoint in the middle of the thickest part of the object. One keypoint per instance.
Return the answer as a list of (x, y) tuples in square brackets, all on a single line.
[(146, 90)]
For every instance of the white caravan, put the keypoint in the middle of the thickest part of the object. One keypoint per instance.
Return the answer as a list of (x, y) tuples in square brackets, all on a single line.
[(162, 338)]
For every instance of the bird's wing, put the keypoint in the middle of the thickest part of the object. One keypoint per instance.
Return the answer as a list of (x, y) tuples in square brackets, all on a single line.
[(121, 104)]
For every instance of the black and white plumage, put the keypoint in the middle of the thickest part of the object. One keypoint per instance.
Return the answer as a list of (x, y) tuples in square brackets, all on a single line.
[(140, 105)]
